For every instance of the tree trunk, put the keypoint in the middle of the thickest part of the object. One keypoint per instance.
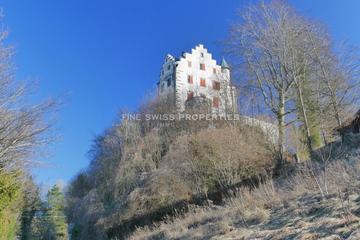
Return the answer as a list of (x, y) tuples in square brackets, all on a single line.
[(336, 112), (306, 121), (281, 126)]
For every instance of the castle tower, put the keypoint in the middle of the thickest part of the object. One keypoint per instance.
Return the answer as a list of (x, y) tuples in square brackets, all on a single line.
[(197, 74), (225, 67)]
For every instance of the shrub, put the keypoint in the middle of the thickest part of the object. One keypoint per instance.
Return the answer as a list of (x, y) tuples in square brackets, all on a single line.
[(10, 203), (217, 158)]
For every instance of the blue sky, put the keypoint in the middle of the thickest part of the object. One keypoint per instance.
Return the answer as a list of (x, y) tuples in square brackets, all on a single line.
[(105, 55)]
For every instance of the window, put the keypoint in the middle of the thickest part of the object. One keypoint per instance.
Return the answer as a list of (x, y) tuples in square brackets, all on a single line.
[(202, 54), (168, 67), (190, 79), (202, 82), (216, 102), (189, 63), (216, 85), (190, 95), (169, 82), (202, 95), (214, 70), (202, 66)]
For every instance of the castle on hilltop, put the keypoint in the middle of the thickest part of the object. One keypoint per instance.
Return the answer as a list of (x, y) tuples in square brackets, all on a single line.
[(196, 78)]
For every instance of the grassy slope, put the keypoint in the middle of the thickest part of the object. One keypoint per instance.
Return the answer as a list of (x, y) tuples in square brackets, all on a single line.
[(298, 207), (307, 217)]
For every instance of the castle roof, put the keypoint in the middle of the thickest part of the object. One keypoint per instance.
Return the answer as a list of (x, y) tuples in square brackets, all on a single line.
[(224, 64)]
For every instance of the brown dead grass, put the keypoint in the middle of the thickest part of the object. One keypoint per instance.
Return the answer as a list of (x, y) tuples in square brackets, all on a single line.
[(303, 206)]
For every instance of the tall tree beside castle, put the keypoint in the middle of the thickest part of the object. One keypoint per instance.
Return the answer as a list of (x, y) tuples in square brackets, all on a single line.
[(289, 59)]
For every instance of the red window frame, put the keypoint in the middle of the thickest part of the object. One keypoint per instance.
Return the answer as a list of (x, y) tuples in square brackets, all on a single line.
[(190, 95), (202, 82), (216, 102), (216, 85)]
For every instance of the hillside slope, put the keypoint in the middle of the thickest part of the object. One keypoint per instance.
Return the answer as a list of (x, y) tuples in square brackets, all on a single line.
[(308, 204), (306, 217)]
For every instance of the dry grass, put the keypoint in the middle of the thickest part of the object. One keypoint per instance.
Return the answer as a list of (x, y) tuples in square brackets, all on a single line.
[(306, 205)]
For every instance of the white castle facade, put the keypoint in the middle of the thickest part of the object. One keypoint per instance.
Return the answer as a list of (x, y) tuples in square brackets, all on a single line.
[(197, 76)]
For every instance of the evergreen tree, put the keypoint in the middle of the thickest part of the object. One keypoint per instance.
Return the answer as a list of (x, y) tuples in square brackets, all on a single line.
[(54, 216)]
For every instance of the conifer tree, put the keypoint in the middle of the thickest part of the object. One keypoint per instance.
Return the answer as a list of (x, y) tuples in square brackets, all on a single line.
[(56, 226)]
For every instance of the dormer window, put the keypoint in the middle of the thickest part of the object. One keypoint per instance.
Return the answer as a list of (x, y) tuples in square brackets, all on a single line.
[(202, 66)]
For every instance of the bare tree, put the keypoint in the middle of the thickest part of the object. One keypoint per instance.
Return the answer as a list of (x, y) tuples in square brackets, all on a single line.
[(338, 77), (290, 61), (264, 42), (24, 127)]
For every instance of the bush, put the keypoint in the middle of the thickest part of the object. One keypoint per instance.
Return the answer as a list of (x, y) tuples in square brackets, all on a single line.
[(218, 158), (138, 167), (10, 204)]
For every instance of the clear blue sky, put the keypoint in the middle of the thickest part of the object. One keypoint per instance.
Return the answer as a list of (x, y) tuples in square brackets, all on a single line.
[(105, 55)]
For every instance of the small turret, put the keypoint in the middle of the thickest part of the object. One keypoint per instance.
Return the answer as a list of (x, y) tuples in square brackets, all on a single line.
[(224, 64), (225, 69)]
